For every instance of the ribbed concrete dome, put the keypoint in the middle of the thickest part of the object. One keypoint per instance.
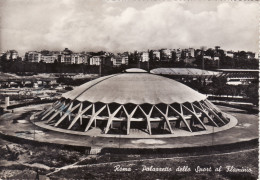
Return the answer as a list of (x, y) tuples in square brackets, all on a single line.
[(136, 88), (130, 100)]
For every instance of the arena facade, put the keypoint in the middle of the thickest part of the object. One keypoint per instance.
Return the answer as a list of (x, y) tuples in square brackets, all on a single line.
[(134, 99)]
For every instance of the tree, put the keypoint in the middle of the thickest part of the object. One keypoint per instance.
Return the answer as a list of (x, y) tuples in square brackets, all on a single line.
[(252, 92), (210, 52)]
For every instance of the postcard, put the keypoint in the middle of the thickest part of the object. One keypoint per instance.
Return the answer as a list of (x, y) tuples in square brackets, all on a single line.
[(129, 89)]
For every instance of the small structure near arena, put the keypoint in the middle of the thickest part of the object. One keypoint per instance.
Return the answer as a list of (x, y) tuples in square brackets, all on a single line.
[(135, 99)]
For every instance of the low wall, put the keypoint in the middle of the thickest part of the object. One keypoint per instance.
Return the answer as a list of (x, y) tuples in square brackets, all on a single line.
[(20, 140), (32, 103), (249, 108), (214, 148), (91, 150)]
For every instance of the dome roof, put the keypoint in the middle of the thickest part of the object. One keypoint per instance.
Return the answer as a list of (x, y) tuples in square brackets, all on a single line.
[(136, 88), (136, 70)]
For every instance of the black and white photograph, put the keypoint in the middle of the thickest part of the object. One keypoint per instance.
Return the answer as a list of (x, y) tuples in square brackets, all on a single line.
[(129, 89)]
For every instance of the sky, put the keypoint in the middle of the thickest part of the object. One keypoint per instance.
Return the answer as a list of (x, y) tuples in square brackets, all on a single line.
[(123, 25)]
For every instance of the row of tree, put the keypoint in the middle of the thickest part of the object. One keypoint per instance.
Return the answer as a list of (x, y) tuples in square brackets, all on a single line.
[(22, 67)]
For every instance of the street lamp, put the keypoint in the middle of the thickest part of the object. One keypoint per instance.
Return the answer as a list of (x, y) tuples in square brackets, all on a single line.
[(100, 66), (34, 127), (213, 136)]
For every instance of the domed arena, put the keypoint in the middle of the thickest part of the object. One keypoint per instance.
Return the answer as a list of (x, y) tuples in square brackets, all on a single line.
[(134, 101)]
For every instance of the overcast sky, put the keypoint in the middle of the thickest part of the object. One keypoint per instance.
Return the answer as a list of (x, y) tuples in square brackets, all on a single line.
[(91, 25)]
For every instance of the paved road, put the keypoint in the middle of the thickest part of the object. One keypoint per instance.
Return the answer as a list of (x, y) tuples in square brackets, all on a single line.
[(246, 129)]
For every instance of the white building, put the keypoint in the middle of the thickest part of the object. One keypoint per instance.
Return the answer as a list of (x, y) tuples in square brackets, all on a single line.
[(207, 57), (157, 54), (119, 60), (216, 58), (191, 52), (95, 60), (77, 59), (167, 53), (229, 54), (125, 60), (72, 58), (11, 55), (83, 58), (145, 57), (33, 56), (65, 58), (48, 58), (178, 54)]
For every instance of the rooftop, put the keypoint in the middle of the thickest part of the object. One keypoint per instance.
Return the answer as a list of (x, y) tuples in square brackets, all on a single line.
[(183, 71), (136, 88)]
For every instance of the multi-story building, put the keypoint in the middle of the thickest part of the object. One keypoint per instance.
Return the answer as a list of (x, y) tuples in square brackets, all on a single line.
[(11, 55), (125, 60), (166, 54), (14, 54), (95, 60), (83, 59), (119, 60), (61, 58), (49, 58), (156, 55), (66, 57), (75, 59), (177, 54), (191, 52), (33, 56), (188, 53), (144, 56), (240, 76), (116, 60)]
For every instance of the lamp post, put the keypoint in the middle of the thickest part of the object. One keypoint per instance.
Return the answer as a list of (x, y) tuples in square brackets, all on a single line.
[(213, 136), (100, 62), (203, 62), (33, 127), (202, 53), (120, 129), (148, 61)]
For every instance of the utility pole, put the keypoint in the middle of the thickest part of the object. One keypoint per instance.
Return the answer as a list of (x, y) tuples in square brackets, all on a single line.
[(33, 127), (202, 62), (202, 53), (120, 129), (218, 55), (148, 61), (100, 62), (139, 63), (213, 136)]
